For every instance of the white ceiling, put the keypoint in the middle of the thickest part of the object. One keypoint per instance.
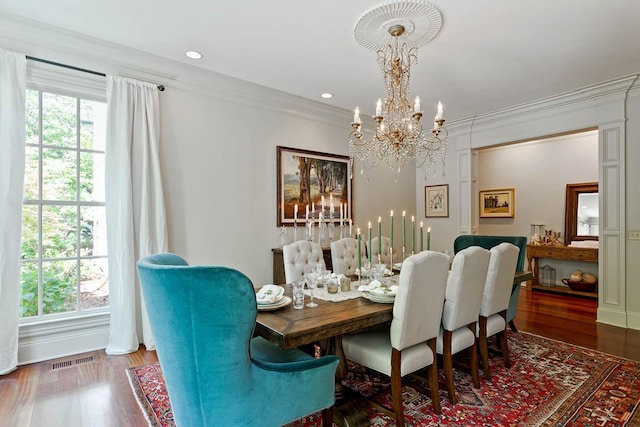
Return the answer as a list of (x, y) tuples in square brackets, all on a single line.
[(489, 55)]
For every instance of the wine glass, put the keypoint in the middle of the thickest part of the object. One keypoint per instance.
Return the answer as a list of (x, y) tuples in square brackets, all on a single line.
[(325, 275), (311, 278)]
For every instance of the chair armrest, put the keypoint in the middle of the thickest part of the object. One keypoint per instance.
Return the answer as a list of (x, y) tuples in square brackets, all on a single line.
[(273, 358)]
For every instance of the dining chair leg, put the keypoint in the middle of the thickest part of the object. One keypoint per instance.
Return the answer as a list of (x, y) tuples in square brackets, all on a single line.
[(327, 417), (504, 345), (512, 325), (432, 378), (473, 358), (396, 386), (447, 362), (484, 347)]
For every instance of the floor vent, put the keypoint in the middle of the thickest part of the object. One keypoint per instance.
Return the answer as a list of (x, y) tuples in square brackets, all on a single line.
[(71, 363)]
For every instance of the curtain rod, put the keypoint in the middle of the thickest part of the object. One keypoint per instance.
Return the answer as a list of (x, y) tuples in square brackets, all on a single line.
[(71, 67)]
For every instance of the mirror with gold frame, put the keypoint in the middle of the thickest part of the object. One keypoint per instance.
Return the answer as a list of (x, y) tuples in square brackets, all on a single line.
[(581, 212)]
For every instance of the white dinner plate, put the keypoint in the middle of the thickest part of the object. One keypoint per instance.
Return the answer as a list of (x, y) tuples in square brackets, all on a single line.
[(277, 300), (285, 301), (384, 299), (277, 292)]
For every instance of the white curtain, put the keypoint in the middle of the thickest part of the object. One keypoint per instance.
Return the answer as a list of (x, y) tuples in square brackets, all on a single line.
[(136, 221), (12, 122)]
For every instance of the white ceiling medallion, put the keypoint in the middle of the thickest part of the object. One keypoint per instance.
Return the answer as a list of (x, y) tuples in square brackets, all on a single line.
[(421, 20)]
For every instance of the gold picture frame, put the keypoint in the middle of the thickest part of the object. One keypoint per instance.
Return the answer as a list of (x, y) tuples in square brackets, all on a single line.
[(436, 201), (305, 179), (497, 203)]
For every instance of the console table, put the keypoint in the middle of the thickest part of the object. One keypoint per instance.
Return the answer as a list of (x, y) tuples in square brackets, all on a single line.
[(568, 253), (278, 264)]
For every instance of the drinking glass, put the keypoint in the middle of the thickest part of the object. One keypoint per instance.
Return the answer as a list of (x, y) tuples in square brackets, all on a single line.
[(298, 294), (379, 271), (310, 276)]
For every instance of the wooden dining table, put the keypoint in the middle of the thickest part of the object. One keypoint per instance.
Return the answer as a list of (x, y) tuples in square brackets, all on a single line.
[(288, 328)]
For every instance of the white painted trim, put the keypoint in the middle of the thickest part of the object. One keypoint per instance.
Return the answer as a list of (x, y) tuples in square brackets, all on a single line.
[(633, 320), (612, 317), (63, 337)]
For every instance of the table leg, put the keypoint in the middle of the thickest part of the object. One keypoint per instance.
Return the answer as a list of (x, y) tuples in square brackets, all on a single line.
[(346, 412)]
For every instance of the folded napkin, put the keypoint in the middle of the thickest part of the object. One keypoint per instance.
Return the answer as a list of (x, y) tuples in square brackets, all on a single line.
[(375, 287), (269, 294)]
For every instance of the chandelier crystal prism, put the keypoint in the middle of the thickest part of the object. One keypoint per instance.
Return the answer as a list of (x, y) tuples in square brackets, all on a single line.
[(399, 136)]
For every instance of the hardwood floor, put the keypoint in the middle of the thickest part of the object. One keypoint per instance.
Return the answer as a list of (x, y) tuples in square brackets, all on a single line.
[(94, 391), (573, 319)]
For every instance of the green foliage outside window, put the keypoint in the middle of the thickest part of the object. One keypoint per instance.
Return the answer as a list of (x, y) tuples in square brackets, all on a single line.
[(58, 227)]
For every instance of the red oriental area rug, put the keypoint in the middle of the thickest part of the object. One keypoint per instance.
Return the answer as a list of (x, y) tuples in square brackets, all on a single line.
[(550, 383)]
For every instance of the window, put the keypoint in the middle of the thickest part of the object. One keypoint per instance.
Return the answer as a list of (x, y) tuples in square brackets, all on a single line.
[(64, 269)]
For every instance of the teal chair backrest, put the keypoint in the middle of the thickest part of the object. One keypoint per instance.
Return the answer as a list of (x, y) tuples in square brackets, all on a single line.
[(488, 242), (202, 319)]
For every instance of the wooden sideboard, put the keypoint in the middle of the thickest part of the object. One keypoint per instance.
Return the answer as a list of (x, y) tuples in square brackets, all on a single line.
[(278, 264), (568, 253)]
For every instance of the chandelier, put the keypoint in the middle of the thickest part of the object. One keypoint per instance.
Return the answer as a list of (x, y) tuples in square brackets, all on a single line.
[(399, 136)]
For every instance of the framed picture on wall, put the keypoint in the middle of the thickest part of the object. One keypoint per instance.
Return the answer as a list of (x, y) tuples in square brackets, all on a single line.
[(311, 184), (500, 203), (436, 201)]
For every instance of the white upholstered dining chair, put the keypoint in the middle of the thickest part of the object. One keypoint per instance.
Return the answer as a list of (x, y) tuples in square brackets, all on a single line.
[(386, 245), (409, 343), (495, 302), (344, 256), (461, 310), (298, 255)]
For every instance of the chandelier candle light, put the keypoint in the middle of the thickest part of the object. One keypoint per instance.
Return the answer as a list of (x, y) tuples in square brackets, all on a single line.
[(398, 136)]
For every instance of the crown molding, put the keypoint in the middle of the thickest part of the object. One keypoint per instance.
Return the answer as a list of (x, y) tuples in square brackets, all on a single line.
[(582, 108)]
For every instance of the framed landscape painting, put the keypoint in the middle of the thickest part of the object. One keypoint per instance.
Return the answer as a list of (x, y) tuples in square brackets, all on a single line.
[(311, 184), (498, 203), (436, 201)]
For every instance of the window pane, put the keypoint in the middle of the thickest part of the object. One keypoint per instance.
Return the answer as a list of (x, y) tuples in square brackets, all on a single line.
[(94, 283), (58, 174), (92, 177), (93, 124), (59, 120), (93, 224), (59, 284), (31, 175), (59, 231), (29, 232), (29, 289)]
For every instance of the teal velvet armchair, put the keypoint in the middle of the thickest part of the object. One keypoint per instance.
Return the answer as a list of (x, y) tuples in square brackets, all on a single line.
[(489, 242), (202, 319)]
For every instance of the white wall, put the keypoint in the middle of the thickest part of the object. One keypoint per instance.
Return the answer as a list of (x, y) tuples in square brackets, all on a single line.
[(539, 172), (219, 162)]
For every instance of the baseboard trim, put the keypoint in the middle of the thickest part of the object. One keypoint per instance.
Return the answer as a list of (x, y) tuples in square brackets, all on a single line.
[(633, 320), (611, 317), (63, 337)]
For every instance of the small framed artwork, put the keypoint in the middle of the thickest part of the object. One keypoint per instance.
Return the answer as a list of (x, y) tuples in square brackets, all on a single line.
[(436, 201), (500, 203), (311, 186)]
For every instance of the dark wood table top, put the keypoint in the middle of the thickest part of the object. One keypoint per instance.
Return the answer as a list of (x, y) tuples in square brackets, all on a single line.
[(288, 327)]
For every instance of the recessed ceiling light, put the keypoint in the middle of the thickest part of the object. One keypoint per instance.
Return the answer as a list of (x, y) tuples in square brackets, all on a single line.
[(193, 54), (327, 95)]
